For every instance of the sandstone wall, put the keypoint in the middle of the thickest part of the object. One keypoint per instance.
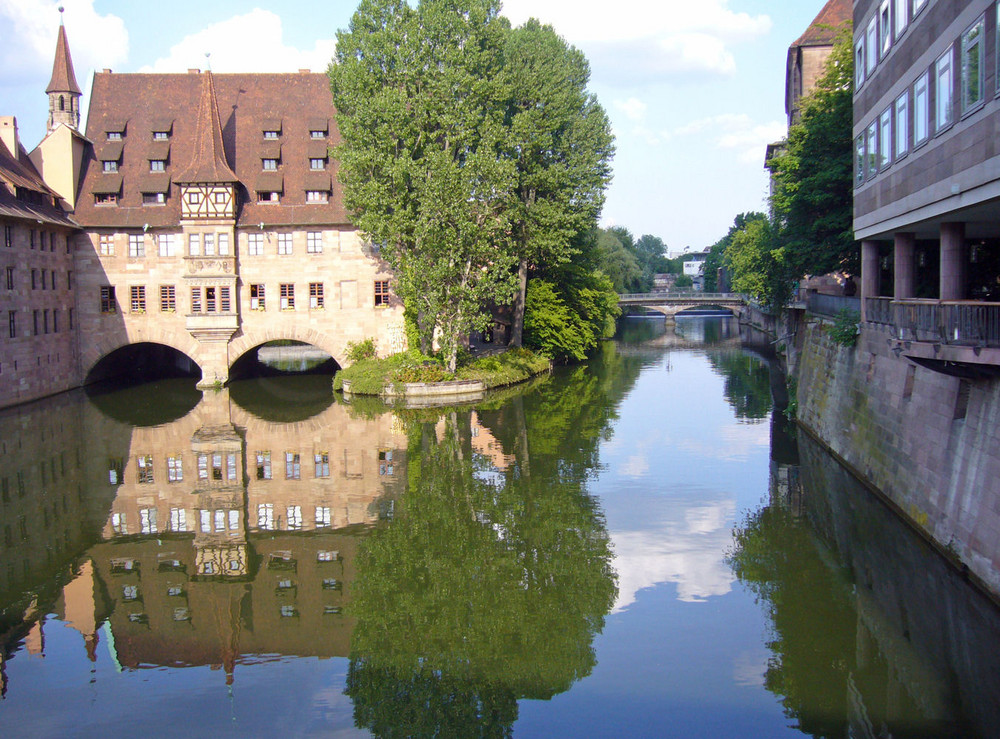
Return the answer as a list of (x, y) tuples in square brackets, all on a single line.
[(928, 441)]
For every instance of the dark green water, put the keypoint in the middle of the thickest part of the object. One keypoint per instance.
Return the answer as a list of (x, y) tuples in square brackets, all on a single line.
[(636, 547)]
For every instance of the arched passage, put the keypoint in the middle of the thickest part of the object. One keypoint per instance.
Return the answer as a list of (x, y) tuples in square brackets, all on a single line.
[(282, 357), (142, 362)]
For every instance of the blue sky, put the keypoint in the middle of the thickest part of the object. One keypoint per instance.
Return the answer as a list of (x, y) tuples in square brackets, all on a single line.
[(695, 91)]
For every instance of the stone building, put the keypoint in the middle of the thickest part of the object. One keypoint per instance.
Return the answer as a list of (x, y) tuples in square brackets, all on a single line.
[(927, 196), (806, 60), (199, 217)]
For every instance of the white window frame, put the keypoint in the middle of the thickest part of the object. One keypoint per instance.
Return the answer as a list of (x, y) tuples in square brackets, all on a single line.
[(223, 243), (136, 246), (944, 90), (918, 5), (968, 47), (885, 138), (285, 244), (194, 245), (871, 46), (921, 109), (885, 29), (314, 242), (167, 245), (902, 125), (255, 244), (901, 19), (871, 149)]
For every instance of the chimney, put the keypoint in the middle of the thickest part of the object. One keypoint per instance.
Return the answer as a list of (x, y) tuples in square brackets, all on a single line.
[(305, 71), (8, 134), (194, 71)]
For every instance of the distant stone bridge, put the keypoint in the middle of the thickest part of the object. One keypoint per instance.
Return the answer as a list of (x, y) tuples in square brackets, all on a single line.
[(670, 304)]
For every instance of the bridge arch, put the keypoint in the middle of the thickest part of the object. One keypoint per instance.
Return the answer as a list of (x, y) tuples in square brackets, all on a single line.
[(248, 341), (140, 359)]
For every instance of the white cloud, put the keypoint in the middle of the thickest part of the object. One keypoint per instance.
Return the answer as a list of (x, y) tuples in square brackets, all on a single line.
[(639, 41), (736, 132), (252, 42), (686, 547), (633, 108), (96, 41)]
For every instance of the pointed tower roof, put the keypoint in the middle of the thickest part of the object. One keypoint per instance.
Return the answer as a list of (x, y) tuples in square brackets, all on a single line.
[(63, 76), (208, 164)]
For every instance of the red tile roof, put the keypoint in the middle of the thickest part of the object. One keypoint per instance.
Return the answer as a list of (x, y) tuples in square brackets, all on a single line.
[(137, 105), (823, 30), (19, 174), (63, 76)]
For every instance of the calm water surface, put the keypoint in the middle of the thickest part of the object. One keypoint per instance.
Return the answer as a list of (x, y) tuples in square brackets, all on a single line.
[(636, 547)]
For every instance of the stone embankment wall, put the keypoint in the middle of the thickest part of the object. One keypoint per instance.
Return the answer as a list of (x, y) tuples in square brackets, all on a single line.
[(929, 442)]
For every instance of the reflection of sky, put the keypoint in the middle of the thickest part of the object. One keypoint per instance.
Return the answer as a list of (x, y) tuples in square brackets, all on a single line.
[(677, 471), (682, 654)]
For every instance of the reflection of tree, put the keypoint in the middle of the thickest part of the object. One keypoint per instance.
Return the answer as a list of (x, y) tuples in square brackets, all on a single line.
[(747, 383), (479, 593), (776, 556)]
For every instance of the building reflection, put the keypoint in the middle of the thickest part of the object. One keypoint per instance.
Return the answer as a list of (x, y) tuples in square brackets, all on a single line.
[(209, 539), (907, 647)]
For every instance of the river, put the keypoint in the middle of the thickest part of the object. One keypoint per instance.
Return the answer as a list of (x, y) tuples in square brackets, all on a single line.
[(639, 546)]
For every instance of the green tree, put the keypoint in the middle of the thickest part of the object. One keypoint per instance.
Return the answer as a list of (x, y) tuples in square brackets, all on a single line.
[(716, 259), (567, 320), (813, 189), (561, 142), (758, 264), (616, 259), (480, 591), (421, 101)]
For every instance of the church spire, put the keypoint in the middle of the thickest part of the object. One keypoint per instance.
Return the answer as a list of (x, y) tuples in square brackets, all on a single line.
[(63, 91), (209, 161)]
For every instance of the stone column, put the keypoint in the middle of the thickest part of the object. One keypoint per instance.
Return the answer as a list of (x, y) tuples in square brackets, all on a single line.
[(869, 273), (954, 260), (905, 282)]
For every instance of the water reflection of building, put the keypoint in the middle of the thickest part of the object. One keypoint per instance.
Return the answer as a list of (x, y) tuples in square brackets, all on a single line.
[(224, 535)]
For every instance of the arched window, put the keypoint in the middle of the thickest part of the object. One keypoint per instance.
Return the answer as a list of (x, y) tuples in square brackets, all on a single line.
[(62, 103)]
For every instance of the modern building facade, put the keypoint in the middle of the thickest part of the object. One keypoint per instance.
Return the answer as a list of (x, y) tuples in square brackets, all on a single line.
[(199, 212), (927, 170)]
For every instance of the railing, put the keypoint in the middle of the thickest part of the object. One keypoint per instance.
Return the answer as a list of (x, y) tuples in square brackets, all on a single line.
[(831, 305), (970, 323), (682, 296)]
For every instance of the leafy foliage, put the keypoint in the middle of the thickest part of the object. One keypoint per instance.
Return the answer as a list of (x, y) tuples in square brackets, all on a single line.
[(844, 330), (813, 187), (567, 321), (758, 264), (359, 350)]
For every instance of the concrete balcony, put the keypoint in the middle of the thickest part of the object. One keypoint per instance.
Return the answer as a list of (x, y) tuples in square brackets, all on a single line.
[(959, 337)]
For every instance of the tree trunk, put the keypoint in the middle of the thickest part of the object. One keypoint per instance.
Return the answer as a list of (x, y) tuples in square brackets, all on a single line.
[(517, 325)]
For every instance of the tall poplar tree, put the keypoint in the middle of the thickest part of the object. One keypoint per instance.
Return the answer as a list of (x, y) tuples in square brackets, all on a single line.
[(560, 139), (421, 100)]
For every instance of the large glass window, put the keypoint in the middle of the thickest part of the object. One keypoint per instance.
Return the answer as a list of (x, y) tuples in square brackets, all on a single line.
[(885, 29), (871, 41), (972, 69), (921, 109), (902, 124), (901, 16), (944, 91), (872, 149), (885, 138), (859, 64)]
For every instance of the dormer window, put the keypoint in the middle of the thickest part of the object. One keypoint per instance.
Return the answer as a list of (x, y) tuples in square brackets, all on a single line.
[(114, 135), (105, 198), (270, 164), (154, 198), (160, 136), (317, 164), (317, 134), (264, 196), (157, 165), (110, 166), (271, 134), (317, 196)]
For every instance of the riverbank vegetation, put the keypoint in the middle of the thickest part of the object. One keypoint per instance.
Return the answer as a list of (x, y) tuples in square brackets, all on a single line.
[(372, 376)]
